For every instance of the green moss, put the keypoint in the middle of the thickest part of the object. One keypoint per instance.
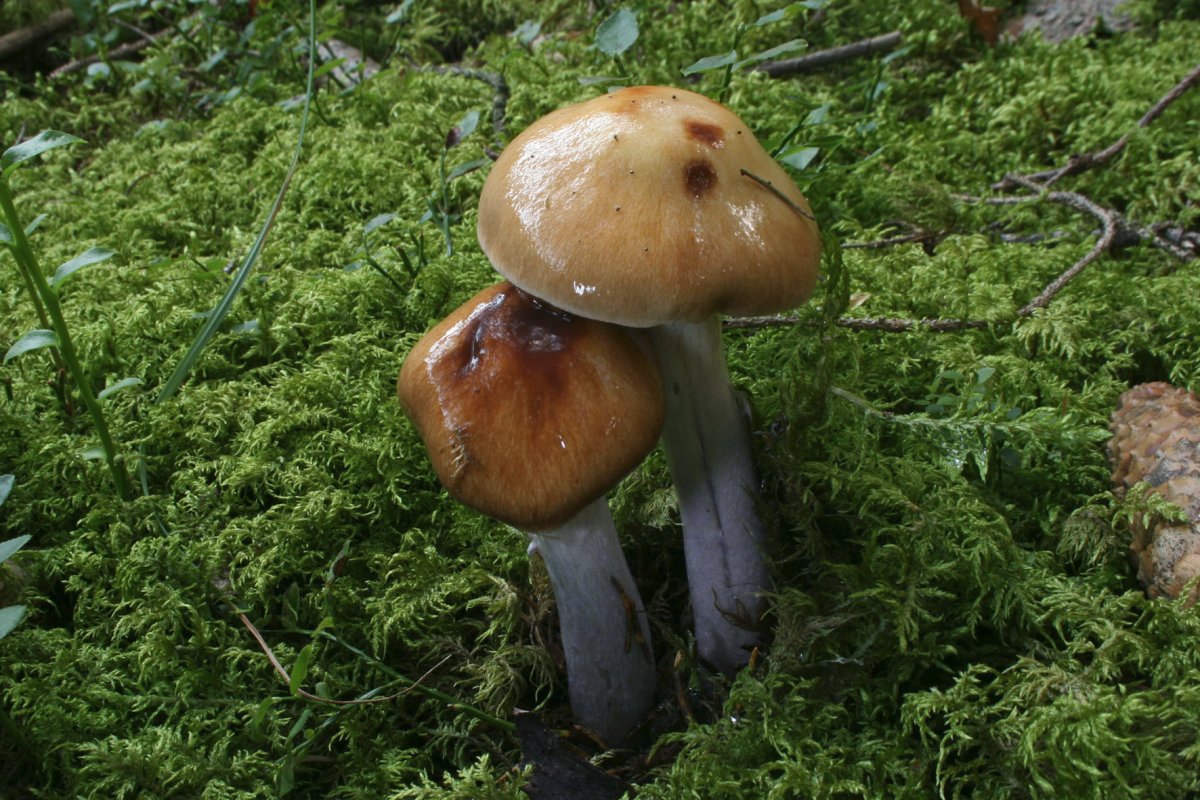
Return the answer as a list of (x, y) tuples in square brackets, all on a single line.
[(953, 611)]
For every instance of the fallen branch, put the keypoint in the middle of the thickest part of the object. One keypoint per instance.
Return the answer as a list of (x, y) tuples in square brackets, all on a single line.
[(924, 238), (16, 42), (1086, 161), (1110, 221), (823, 58), (885, 324), (121, 51)]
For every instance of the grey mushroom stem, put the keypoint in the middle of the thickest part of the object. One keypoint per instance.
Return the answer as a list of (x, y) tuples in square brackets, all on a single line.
[(605, 636), (706, 440)]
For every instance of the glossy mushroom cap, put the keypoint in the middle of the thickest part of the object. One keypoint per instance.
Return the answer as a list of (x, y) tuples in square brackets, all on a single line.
[(530, 413), (632, 208)]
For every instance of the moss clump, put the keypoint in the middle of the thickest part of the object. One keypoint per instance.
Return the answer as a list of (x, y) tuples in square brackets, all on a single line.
[(954, 612)]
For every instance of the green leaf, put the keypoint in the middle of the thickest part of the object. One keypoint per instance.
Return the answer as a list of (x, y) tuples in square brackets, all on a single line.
[(818, 115), (300, 670), (93, 255), (463, 169), (9, 547), (617, 33), (399, 14), (328, 67), (216, 58), (6, 484), (35, 223), (800, 158), (527, 31), (590, 80), (10, 617), (46, 140), (774, 16), (6, 236), (793, 46), (298, 726), (260, 715), (711, 62), (467, 125), (377, 222), (285, 780), (93, 453), (124, 383), (900, 52), (34, 340)]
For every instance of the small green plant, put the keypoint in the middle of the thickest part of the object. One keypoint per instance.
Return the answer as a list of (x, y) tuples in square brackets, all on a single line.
[(438, 207), (43, 293), (366, 253), (224, 45), (731, 61), (10, 616)]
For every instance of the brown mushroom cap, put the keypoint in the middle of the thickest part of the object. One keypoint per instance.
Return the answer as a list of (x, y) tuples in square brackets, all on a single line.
[(530, 413), (632, 208)]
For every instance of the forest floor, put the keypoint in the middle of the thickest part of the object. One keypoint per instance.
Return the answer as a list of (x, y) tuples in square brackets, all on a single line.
[(242, 578)]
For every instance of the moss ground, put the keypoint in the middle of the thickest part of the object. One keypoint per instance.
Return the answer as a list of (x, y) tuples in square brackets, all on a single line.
[(954, 612)]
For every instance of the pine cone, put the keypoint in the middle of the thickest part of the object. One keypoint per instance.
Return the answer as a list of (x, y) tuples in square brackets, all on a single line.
[(1156, 439)]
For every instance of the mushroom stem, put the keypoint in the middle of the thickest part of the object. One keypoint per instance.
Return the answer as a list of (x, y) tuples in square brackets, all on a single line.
[(706, 439), (605, 636)]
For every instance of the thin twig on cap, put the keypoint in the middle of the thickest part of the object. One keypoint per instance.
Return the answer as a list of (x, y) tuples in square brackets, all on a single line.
[(775, 191)]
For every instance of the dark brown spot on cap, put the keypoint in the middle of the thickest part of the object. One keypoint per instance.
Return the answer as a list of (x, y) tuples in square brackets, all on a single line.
[(704, 132), (699, 177), (513, 327)]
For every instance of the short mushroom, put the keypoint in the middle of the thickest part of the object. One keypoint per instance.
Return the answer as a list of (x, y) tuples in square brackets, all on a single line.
[(530, 414), (656, 207)]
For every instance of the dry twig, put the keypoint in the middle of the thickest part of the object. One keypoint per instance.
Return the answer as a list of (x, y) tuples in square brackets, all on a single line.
[(1086, 161), (1115, 229), (16, 42), (823, 58), (283, 673), (1110, 221), (127, 49)]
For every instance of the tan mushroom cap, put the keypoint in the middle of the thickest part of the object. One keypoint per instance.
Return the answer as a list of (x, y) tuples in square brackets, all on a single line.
[(632, 208), (530, 413)]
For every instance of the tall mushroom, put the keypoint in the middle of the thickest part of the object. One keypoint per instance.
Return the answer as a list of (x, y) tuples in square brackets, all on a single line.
[(530, 414), (656, 207)]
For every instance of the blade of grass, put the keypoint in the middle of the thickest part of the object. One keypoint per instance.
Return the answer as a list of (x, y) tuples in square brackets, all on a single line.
[(218, 314), (24, 256), (226, 303)]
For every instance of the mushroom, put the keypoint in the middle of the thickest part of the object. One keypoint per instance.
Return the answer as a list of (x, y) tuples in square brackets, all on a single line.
[(530, 414), (656, 207)]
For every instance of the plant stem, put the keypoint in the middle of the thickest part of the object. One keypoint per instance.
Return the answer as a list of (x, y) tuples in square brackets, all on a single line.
[(24, 256)]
